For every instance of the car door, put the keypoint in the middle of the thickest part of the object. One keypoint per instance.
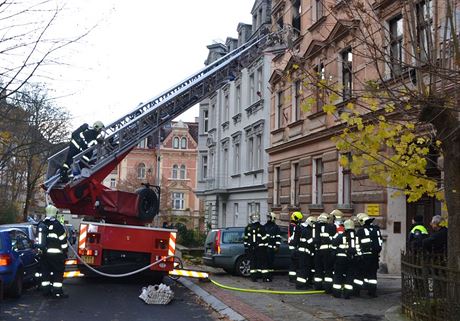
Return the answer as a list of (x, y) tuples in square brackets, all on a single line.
[(283, 256), (27, 255)]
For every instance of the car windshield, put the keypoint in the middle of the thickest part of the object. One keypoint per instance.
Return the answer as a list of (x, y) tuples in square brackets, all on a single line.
[(232, 237), (210, 237)]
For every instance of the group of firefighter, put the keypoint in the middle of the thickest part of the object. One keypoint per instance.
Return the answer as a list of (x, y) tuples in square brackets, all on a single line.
[(328, 253)]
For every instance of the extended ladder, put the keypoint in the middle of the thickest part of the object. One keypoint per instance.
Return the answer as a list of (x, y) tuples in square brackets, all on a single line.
[(125, 133)]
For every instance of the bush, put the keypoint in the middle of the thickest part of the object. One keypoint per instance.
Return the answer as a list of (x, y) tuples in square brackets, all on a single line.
[(8, 213), (188, 237)]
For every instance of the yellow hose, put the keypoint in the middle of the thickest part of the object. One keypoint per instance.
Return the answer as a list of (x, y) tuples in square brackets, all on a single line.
[(264, 291)]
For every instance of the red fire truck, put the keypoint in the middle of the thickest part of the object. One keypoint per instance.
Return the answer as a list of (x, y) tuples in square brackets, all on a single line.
[(114, 235)]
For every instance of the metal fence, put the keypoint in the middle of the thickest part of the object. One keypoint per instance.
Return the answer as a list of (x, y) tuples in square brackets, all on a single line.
[(430, 290)]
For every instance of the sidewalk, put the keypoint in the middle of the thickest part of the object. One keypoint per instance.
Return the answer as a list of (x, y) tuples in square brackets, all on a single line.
[(238, 305)]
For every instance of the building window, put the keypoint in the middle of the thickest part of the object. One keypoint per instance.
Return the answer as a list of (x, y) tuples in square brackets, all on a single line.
[(142, 143), (279, 109), (204, 167), (213, 115), (277, 186), (141, 171), (296, 14), (236, 213), (319, 9), (250, 153), (113, 183), (178, 201), (225, 163), (238, 100), (345, 181), (183, 143), (259, 82), (347, 80), (253, 207), (296, 101), (252, 88), (176, 142), (205, 121), (295, 184), (320, 91), (424, 28), (236, 164), (396, 39), (183, 172), (175, 169), (259, 152), (317, 188), (226, 107)]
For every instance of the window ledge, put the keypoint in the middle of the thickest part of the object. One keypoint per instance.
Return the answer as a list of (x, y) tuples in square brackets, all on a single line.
[(317, 23), (278, 130), (254, 172), (316, 206), (225, 125), (346, 208), (295, 123), (316, 115), (254, 107), (235, 175), (236, 118)]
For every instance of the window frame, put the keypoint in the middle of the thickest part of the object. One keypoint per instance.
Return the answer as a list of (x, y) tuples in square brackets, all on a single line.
[(347, 73), (176, 142), (396, 43), (178, 197), (141, 171), (174, 171)]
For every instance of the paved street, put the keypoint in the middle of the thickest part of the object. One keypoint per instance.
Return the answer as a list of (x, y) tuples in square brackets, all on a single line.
[(314, 307), (104, 299)]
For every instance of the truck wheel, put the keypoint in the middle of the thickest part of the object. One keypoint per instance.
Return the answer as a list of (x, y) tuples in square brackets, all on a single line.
[(15, 289), (148, 204), (243, 266)]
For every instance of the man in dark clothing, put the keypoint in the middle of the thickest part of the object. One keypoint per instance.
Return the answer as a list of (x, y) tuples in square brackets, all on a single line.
[(324, 264), (293, 243), (255, 243), (437, 242), (52, 242), (306, 253), (417, 234), (274, 242), (81, 139)]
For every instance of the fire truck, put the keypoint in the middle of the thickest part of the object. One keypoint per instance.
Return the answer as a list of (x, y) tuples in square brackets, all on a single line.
[(114, 235)]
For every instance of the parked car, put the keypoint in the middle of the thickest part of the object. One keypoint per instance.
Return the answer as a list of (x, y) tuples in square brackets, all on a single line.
[(224, 248), (29, 228), (18, 260)]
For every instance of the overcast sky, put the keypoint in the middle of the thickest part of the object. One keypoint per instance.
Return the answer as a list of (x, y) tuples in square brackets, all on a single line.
[(138, 49)]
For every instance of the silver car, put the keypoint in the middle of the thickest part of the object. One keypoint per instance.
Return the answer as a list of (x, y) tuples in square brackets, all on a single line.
[(224, 248), (29, 228)]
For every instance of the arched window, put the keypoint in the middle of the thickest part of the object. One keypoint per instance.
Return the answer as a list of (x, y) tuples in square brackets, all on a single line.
[(183, 143), (182, 172), (174, 171), (141, 171), (176, 143)]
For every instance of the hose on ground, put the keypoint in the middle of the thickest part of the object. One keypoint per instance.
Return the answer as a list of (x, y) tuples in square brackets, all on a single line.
[(264, 290)]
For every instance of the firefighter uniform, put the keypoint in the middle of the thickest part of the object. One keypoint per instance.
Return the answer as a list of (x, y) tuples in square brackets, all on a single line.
[(255, 243), (52, 242), (345, 250), (293, 242), (305, 253), (324, 260), (81, 139), (368, 245), (274, 242)]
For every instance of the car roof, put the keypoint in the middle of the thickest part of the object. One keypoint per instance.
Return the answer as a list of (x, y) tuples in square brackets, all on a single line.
[(18, 224), (10, 229)]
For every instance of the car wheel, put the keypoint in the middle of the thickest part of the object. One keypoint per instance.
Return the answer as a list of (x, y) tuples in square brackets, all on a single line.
[(15, 289), (243, 266)]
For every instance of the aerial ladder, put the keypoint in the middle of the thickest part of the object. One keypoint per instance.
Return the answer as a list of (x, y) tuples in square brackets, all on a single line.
[(85, 195)]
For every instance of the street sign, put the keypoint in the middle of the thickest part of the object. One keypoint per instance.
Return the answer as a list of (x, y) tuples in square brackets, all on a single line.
[(373, 209)]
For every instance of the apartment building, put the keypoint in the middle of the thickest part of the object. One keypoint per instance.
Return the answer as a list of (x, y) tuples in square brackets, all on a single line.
[(234, 132), (167, 158), (304, 169)]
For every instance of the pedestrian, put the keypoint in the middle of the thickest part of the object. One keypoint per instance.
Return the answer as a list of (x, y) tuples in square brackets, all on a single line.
[(305, 253), (324, 261), (437, 242), (368, 245), (52, 242), (344, 243), (255, 243), (81, 139), (293, 242), (417, 234), (274, 242)]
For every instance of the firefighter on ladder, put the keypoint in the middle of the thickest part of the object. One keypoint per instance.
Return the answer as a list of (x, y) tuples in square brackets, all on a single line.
[(82, 138), (274, 242), (52, 242), (293, 242), (255, 243)]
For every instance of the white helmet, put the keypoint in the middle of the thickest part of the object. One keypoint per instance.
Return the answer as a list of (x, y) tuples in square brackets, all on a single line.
[(323, 217), (51, 211), (349, 224), (98, 125), (271, 216), (337, 213), (311, 220), (255, 217), (363, 218)]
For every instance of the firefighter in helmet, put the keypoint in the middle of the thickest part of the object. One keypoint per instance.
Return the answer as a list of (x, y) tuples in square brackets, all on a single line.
[(305, 252), (255, 243), (293, 242), (52, 243), (273, 240), (81, 139), (337, 216), (324, 261)]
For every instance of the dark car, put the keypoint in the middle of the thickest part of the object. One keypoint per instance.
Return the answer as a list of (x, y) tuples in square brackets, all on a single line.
[(18, 260), (224, 248)]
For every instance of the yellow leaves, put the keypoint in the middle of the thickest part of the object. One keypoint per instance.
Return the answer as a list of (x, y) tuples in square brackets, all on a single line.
[(389, 108), (329, 109), (345, 116), (295, 66), (438, 143), (344, 161)]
